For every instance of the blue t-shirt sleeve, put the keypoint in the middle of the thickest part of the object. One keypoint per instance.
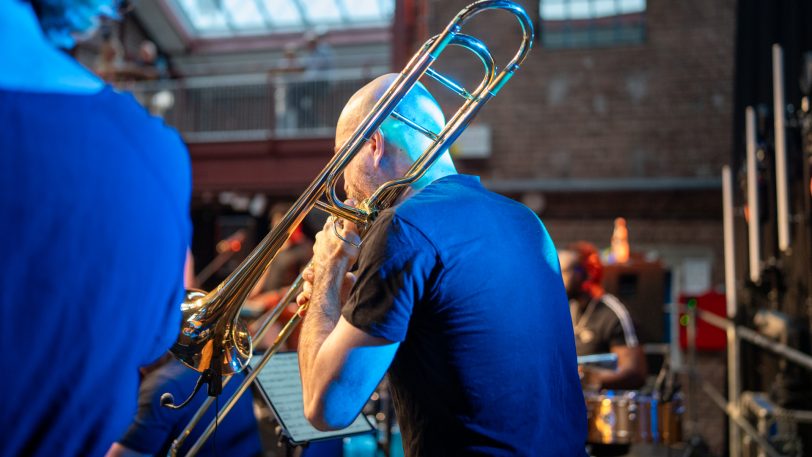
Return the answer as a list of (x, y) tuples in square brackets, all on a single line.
[(394, 266)]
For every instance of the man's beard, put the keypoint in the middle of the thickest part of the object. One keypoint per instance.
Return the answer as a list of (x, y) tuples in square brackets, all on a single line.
[(364, 187)]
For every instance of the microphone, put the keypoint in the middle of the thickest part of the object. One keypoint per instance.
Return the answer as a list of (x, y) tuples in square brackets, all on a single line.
[(168, 400)]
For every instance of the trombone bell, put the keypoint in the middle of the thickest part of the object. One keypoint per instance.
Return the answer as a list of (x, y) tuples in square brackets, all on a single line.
[(198, 347)]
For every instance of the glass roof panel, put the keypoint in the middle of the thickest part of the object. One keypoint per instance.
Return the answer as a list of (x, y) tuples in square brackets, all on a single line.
[(244, 14), (387, 9), (605, 8), (283, 13), (321, 11), (224, 18), (579, 9), (363, 10), (553, 10), (632, 6), (556, 10), (204, 15)]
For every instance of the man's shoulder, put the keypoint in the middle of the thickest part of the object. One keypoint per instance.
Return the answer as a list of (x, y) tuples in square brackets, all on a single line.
[(443, 198), (396, 228)]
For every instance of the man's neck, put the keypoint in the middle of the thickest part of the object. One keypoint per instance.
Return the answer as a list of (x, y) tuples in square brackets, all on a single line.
[(433, 174)]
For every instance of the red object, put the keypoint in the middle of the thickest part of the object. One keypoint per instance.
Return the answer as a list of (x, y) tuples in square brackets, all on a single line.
[(590, 261), (708, 337)]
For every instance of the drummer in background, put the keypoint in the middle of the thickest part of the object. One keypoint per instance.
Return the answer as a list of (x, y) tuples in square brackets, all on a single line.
[(601, 323)]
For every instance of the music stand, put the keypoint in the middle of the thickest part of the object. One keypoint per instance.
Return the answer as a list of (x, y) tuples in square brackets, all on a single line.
[(279, 384)]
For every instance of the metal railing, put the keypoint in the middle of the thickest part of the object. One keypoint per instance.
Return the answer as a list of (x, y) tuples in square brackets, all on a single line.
[(733, 406), (250, 107)]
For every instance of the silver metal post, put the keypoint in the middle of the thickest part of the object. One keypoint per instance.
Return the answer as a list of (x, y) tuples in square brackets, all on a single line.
[(691, 337), (782, 190), (733, 360), (675, 352), (753, 224)]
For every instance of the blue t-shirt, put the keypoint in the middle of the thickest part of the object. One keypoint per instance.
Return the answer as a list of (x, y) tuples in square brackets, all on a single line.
[(155, 426), (468, 281), (94, 211)]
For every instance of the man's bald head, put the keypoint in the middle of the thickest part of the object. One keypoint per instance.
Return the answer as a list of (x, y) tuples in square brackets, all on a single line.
[(400, 144), (419, 106)]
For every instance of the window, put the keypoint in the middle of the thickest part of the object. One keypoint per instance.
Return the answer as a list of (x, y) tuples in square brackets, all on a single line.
[(228, 18), (591, 23)]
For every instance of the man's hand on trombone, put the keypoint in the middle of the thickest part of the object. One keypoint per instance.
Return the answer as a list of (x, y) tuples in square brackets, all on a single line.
[(332, 260), (339, 363)]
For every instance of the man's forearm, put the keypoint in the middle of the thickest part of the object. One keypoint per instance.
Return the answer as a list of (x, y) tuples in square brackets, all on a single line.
[(321, 318)]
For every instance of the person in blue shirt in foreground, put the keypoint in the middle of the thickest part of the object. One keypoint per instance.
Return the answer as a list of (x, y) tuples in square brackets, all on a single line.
[(94, 208), (457, 293)]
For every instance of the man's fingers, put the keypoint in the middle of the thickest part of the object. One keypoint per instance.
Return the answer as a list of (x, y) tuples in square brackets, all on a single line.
[(302, 298), (308, 274)]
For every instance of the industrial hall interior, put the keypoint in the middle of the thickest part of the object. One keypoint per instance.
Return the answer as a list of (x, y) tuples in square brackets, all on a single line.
[(406, 228)]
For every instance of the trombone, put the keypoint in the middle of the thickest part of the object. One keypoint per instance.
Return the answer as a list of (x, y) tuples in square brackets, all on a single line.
[(213, 340)]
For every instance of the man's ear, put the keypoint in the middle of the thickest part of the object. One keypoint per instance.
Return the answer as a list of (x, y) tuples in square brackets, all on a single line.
[(378, 148)]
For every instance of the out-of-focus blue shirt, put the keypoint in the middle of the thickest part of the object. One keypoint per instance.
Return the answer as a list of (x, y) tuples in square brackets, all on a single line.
[(155, 426), (94, 196)]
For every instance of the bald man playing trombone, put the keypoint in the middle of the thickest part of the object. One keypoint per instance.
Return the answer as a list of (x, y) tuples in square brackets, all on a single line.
[(457, 293)]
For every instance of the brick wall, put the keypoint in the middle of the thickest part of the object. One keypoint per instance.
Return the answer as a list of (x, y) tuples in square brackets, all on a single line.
[(660, 108)]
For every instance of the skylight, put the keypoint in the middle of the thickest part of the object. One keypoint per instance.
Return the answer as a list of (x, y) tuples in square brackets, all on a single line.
[(225, 18)]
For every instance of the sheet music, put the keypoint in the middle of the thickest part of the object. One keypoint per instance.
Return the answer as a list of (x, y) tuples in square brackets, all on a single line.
[(282, 384)]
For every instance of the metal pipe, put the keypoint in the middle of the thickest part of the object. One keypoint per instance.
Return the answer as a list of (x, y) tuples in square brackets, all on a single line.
[(730, 259), (781, 185), (756, 338), (736, 418), (675, 352), (690, 336), (733, 360), (753, 207), (783, 350)]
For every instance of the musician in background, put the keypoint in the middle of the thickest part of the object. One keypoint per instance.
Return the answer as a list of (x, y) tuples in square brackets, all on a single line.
[(457, 288), (600, 321)]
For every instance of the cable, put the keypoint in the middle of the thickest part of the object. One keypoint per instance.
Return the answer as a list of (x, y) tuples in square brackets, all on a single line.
[(216, 424)]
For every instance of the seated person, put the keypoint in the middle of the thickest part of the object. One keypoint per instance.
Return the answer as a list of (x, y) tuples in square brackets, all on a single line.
[(155, 427), (601, 323)]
